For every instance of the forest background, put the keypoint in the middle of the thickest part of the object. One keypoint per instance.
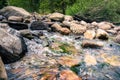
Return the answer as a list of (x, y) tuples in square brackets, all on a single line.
[(88, 10)]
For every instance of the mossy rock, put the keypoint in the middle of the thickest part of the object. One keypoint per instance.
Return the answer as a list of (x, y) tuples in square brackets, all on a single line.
[(61, 47)]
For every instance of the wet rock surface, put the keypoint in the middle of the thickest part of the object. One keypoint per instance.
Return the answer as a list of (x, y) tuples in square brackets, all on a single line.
[(3, 75), (45, 63), (69, 50), (12, 45), (14, 11)]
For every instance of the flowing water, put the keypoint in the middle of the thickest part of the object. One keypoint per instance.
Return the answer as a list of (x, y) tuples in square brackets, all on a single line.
[(102, 65)]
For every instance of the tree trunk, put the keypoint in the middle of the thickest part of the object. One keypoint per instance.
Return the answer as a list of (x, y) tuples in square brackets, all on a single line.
[(63, 6)]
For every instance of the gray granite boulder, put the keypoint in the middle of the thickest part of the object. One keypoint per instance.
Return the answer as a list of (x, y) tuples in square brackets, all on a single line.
[(12, 45)]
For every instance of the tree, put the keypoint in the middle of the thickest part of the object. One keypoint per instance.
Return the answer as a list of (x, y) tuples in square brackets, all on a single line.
[(3, 3), (60, 5), (35, 4)]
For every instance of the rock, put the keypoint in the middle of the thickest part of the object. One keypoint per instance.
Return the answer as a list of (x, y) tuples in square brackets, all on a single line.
[(14, 11), (3, 75), (76, 22), (77, 28), (91, 44), (68, 61), (113, 32), (26, 33), (17, 25), (12, 45), (101, 34), (90, 26), (89, 34), (27, 19), (65, 48), (1, 17), (117, 28), (68, 75), (83, 23), (4, 26), (67, 23), (104, 25), (118, 32), (65, 31), (68, 18), (90, 60), (56, 27), (113, 60), (56, 16), (15, 18), (49, 74), (94, 23), (117, 39), (39, 25)]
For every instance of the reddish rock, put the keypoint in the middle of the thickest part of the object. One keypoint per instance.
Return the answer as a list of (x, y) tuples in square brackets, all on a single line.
[(68, 75), (65, 31)]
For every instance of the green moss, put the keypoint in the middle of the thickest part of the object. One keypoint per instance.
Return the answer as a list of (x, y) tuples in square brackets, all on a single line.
[(62, 47)]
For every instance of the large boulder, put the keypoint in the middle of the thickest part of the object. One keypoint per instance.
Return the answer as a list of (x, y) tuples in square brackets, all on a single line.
[(12, 45), (14, 11)]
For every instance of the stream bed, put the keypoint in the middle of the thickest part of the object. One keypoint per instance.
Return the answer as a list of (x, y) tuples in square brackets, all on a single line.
[(42, 60)]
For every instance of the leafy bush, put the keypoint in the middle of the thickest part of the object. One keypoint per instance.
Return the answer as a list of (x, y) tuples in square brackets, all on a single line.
[(98, 10), (30, 5)]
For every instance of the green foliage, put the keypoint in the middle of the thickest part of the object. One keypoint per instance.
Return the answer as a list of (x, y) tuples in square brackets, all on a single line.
[(98, 10), (79, 6), (30, 5), (3, 3)]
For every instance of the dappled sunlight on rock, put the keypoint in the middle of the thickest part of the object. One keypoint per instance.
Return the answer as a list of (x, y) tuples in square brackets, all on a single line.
[(112, 60), (68, 75), (90, 60), (68, 61)]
